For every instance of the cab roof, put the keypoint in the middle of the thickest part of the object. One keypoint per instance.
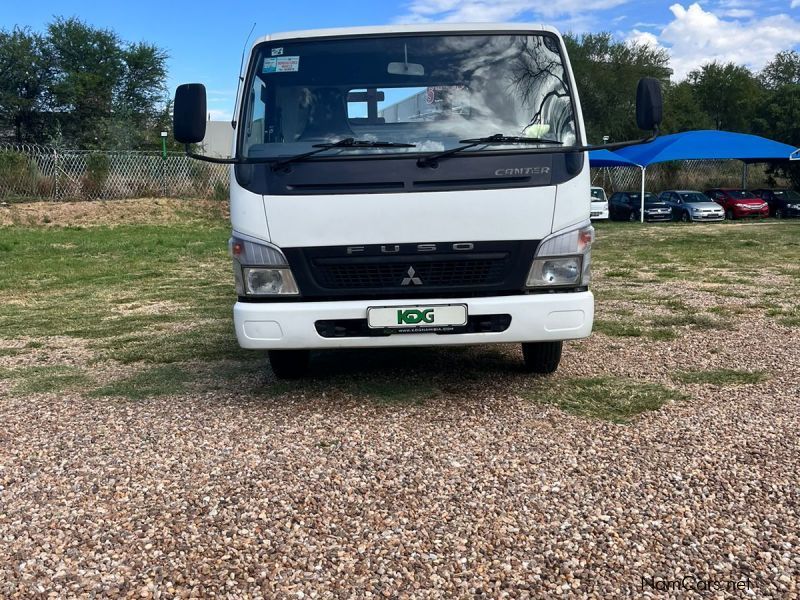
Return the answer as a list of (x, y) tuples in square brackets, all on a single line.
[(415, 28)]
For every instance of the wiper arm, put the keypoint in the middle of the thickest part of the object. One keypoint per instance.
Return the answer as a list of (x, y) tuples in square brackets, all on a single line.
[(344, 144), (496, 139)]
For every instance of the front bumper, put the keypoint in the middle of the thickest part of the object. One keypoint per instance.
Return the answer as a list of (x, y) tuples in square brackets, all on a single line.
[(660, 216), (791, 212), (534, 318), (720, 216), (599, 214), (741, 213)]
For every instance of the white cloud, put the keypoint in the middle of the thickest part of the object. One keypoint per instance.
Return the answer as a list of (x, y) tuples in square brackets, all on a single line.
[(644, 38), (472, 11), (738, 13), (795, 4), (696, 37)]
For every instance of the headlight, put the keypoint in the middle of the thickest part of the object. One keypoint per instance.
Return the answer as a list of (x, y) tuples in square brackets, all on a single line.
[(269, 282), (555, 271), (261, 269), (563, 260)]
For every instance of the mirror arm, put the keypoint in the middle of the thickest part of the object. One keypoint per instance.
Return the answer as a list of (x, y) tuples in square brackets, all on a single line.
[(211, 159), (619, 145)]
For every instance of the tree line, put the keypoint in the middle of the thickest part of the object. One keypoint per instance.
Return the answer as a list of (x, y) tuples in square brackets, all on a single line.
[(716, 95), (83, 87)]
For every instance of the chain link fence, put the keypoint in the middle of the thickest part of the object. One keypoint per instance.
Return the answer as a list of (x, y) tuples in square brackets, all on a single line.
[(32, 172), (697, 175)]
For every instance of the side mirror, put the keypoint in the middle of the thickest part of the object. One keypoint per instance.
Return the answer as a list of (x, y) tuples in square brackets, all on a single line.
[(189, 113), (649, 104)]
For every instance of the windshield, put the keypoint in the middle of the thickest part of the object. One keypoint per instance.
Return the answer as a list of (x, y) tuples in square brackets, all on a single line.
[(789, 195), (741, 195), (427, 90), (598, 194), (692, 197), (649, 198)]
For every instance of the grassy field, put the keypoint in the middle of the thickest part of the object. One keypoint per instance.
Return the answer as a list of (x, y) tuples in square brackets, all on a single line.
[(136, 310)]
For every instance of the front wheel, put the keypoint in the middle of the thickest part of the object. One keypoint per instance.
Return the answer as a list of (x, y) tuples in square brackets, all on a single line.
[(289, 364), (541, 357), (729, 214), (779, 213), (685, 217), (633, 217)]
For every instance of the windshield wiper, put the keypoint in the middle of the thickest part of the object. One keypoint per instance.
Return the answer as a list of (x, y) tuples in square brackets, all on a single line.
[(345, 144), (496, 139)]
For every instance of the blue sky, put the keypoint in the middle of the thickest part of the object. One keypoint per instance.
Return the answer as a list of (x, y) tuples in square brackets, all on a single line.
[(204, 39)]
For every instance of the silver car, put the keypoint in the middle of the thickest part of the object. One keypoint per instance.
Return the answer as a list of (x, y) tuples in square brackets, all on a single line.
[(690, 205)]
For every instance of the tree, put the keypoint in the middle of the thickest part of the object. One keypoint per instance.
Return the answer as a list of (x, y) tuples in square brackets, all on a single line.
[(728, 93), (682, 110), (25, 77), (607, 73), (140, 96), (783, 70), (89, 66), (81, 86)]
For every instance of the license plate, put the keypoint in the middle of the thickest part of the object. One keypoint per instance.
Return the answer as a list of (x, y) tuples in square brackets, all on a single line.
[(420, 317)]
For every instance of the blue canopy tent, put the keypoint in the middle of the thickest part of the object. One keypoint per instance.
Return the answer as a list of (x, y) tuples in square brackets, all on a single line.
[(606, 158), (703, 145)]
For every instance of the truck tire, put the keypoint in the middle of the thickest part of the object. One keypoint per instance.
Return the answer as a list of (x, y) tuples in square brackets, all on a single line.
[(541, 357), (289, 364)]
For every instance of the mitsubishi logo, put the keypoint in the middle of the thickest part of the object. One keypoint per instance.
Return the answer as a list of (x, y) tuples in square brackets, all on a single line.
[(412, 278)]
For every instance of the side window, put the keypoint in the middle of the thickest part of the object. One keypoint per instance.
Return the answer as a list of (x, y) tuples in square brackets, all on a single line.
[(254, 134)]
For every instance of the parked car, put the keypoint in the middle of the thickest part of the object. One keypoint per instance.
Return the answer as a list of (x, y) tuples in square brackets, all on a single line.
[(626, 206), (739, 203), (599, 203), (782, 202), (689, 205)]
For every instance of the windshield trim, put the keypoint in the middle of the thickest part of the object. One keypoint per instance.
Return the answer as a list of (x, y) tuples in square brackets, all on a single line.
[(242, 106)]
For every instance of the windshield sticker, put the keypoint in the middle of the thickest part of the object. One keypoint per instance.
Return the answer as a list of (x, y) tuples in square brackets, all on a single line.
[(282, 64), (277, 52)]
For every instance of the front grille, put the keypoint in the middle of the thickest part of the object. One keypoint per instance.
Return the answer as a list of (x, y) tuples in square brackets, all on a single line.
[(423, 269), (447, 272)]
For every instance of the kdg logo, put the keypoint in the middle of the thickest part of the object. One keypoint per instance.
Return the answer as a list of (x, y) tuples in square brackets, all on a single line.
[(412, 316)]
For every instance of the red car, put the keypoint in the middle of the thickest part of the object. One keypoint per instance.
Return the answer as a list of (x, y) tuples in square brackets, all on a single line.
[(739, 203)]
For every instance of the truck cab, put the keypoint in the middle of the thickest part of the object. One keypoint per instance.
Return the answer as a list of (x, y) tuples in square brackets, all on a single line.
[(408, 186)]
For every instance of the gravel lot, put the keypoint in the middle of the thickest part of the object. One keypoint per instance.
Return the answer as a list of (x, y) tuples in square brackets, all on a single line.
[(318, 491)]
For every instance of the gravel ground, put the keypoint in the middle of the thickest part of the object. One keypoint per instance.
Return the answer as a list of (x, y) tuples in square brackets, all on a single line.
[(477, 492)]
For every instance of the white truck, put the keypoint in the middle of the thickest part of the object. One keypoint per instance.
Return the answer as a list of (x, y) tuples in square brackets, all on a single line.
[(409, 186)]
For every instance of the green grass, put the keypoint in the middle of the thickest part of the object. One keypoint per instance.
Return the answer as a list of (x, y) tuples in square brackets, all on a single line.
[(615, 399), (721, 377), (698, 321), (46, 379), (80, 286), (163, 380), (617, 328)]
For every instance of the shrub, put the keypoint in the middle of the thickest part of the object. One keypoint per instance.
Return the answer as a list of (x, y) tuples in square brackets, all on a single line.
[(18, 174), (220, 191), (98, 166)]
